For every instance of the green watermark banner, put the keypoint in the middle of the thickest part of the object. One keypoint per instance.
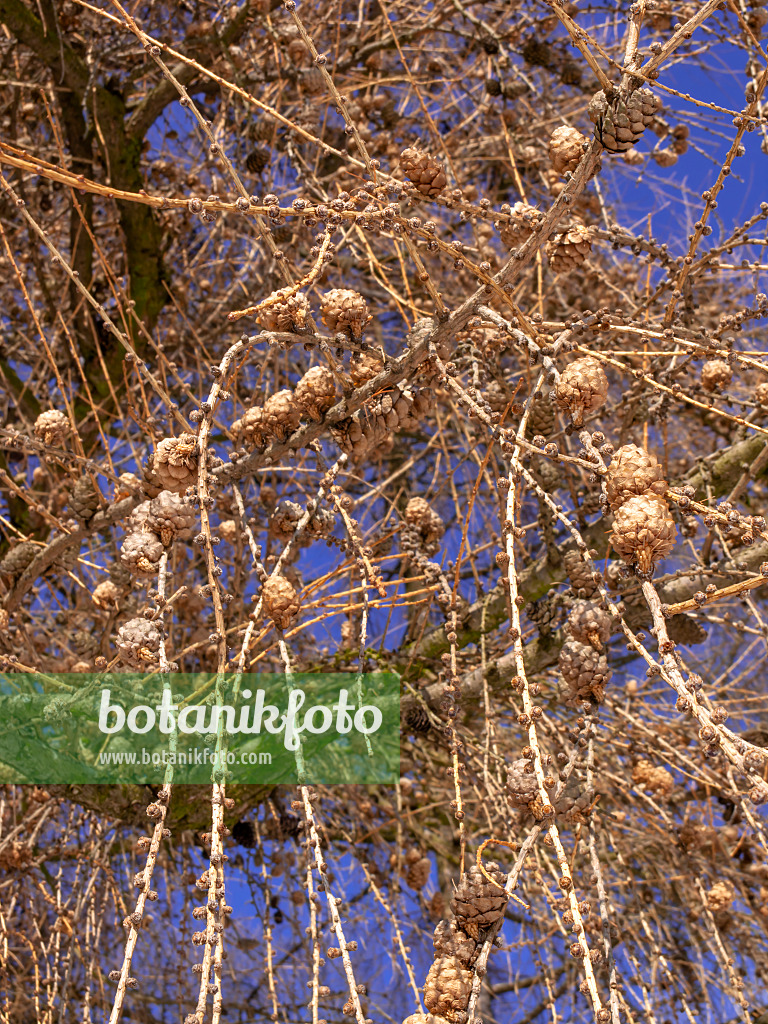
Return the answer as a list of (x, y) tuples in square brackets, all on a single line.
[(327, 728)]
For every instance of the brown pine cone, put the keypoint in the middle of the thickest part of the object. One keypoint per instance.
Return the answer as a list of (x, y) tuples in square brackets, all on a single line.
[(312, 81), (282, 414), (643, 531), (140, 553), (541, 418), (521, 785), (288, 313), (281, 602), (761, 395), (633, 471), (720, 896), (684, 629), (565, 149), (428, 523), (450, 940), (105, 595), (51, 427), (256, 161), (315, 393), (285, 518), (342, 309), (423, 170), (715, 375), (582, 388), (250, 430), (477, 903), (590, 624), (648, 776), (84, 500), (18, 558), (138, 642), (447, 988), (522, 221), (619, 123), (579, 574), (568, 249), (174, 464), (584, 669), (364, 366), (170, 517), (417, 875)]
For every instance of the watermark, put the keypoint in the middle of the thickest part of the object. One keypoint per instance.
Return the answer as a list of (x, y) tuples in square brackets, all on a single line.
[(123, 728)]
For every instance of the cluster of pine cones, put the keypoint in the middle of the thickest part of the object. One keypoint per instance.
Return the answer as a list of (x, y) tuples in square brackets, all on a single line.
[(478, 905), (282, 412), (583, 664), (342, 310), (371, 428)]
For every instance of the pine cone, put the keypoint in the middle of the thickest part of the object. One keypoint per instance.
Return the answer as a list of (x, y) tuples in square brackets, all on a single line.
[(643, 531), (312, 81), (565, 149), (584, 670), (281, 602), (477, 903), (250, 430), (140, 553), (579, 574), (84, 500), (715, 375), (720, 897), (419, 867), (315, 393), (428, 523), (105, 595), (343, 309), (447, 988), (521, 785), (761, 395), (288, 313), (174, 464), (416, 719), (257, 160), (620, 122), (633, 471), (423, 170), (170, 517), (51, 427), (684, 629), (541, 418), (648, 776), (450, 940), (364, 366), (543, 614), (522, 221), (18, 558), (138, 642), (568, 249), (284, 519), (582, 388), (281, 414), (590, 624)]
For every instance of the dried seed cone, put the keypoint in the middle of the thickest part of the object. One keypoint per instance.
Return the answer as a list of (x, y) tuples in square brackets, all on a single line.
[(364, 366), (541, 418), (619, 123), (569, 249), (761, 395), (633, 471), (450, 940), (18, 558), (521, 785), (281, 602), (649, 776), (565, 149), (447, 989), (522, 221), (643, 531), (287, 313), (315, 393), (423, 171), (138, 642), (715, 375), (478, 903), (257, 160), (170, 517), (282, 414), (283, 520), (174, 464), (720, 897), (584, 670), (543, 613), (579, 574), (84, 500), (428, 523), (250, 430), (590, 624), (140, 553), (684, 629), (417, 875), (105, 595), (582, 388), (342, 309), (51, 427)]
